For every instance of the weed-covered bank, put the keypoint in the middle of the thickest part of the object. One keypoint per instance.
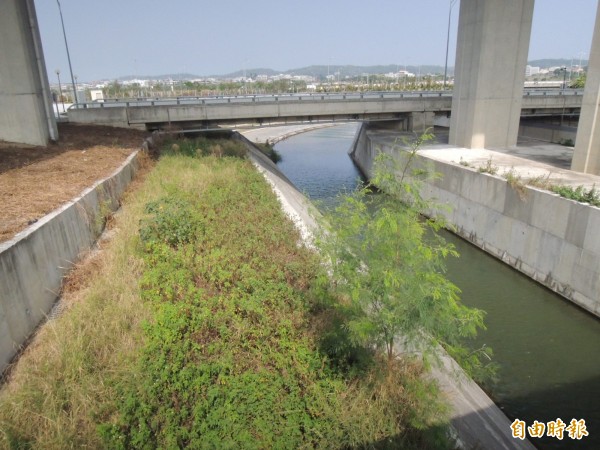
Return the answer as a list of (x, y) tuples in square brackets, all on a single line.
[(228, 361), (233, 359), (233, 350)]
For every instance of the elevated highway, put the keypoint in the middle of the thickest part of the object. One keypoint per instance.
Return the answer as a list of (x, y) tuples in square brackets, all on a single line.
[(411, 108)]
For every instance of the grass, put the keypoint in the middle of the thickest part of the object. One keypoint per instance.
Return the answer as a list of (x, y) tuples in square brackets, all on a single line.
[(516, 182), (579, 193), (489, 167), (198, 326), (64, 382), (464, 163)]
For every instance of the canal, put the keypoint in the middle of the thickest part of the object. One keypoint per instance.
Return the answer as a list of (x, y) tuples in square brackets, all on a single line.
[(547, 349)]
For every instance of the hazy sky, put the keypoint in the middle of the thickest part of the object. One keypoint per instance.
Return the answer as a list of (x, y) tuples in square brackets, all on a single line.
[(111, 38)]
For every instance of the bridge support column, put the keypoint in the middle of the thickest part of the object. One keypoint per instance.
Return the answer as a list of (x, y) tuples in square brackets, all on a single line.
[(26, 114), (586, 157), (420, 121), (492, 47)]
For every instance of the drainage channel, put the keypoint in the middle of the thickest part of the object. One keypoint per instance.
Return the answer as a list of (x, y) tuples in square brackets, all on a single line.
[(548, 349)]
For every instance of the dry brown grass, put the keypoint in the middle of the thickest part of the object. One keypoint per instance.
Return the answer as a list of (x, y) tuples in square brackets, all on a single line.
[(36, 180)]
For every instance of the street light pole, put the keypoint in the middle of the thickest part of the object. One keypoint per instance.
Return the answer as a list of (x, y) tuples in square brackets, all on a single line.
[(59, 91), (68, 55), (452, 3)]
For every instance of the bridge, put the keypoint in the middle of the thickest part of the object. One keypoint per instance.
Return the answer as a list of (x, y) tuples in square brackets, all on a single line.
[(487, 103), (412, 109)]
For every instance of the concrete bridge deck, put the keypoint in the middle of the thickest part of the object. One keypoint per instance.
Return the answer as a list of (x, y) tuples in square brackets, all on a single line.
[(298, 108)]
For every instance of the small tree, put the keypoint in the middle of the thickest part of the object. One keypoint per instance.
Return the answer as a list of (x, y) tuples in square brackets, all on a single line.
[(387, 263), (579, 83)]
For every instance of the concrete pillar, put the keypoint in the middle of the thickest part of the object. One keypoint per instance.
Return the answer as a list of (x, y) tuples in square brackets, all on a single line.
[(26, 114), (491, 55), (420, 121), (586, 157)]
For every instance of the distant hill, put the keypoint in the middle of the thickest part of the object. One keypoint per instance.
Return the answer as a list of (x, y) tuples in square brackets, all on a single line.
[(168, 76), (321, 71)]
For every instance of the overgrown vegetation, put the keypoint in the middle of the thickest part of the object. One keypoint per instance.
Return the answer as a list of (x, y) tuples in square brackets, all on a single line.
[(270, 151), (580, 194), (203, 146), (236, 349), (516, 182), (579, 82)]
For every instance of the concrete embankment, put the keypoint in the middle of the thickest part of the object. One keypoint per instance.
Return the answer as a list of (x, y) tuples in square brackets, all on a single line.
[(277, 134), (34, 262), (477, 421), (551, 239)]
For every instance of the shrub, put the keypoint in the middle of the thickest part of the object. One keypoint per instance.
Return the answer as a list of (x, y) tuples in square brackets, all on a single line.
[(580, 194), (204, 146), (269, 151)]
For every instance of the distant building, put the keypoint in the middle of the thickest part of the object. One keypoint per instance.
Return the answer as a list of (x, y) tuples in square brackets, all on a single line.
[(531, 70), (97, 95), (400, 74)]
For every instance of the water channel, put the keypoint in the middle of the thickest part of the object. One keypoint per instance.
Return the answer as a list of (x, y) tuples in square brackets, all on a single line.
[(548, 349)]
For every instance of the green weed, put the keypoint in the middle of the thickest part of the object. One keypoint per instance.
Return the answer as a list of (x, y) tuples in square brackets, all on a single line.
[(489, 167), (204, 146), (580, 194), (515, 181)]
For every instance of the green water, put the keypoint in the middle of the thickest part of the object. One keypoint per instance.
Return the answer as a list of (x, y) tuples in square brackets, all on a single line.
[(548, 349)]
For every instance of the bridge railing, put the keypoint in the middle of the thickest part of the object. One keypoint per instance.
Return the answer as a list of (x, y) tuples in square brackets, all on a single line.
[(552, 92), (295, 97)]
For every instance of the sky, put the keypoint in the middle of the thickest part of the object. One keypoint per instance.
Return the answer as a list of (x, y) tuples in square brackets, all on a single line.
[(112, 38)]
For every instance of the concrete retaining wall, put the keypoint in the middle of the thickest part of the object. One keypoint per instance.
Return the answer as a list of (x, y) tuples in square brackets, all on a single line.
[(34, 262), (553, 240), (549, 134)]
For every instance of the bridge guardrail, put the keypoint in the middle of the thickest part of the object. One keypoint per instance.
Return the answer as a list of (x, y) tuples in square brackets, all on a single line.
[(296, 97), (306, 96)]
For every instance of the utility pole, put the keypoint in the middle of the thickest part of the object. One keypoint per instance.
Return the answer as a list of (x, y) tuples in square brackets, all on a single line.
[(57, 71), (68, 56), (452, 3)]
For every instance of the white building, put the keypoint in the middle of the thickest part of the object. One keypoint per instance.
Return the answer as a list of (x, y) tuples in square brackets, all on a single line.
[(97, 95), (531, 70)]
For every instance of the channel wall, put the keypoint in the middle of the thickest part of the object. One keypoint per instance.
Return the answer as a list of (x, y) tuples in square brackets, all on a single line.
[(551, 239), (34, 262)]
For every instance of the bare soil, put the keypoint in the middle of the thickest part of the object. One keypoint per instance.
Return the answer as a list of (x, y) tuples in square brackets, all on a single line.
[(36, 180)]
